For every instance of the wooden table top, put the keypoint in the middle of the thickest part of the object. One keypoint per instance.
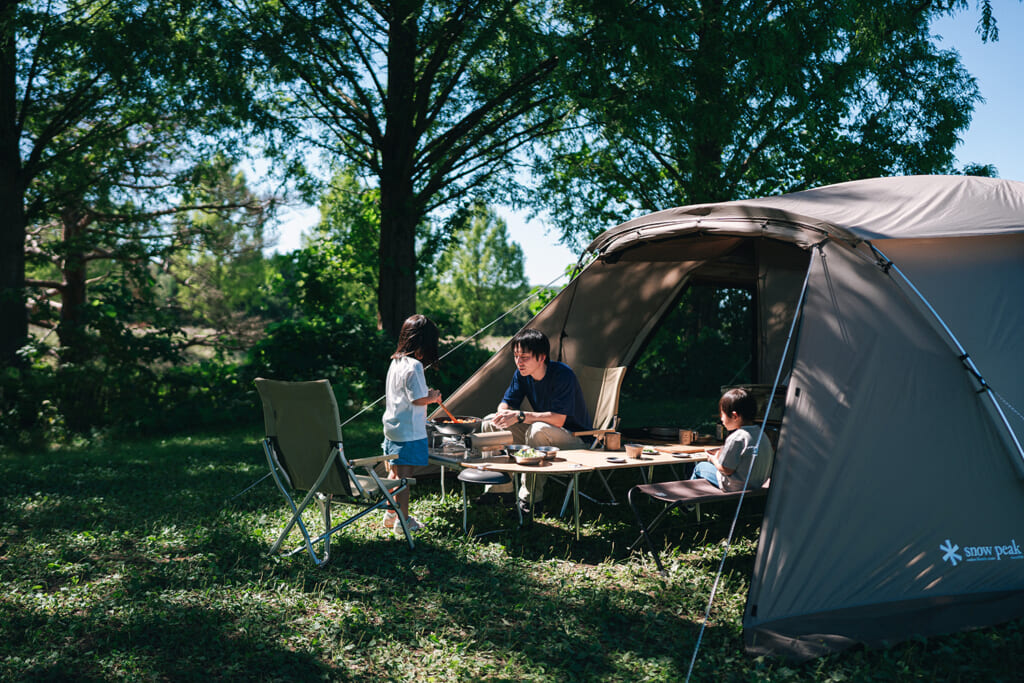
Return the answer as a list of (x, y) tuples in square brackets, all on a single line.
[(610, 460), (504, 463)]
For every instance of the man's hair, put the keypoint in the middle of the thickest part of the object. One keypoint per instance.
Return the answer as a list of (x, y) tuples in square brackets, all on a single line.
[(739, 401), (419, 333), (532, 341)]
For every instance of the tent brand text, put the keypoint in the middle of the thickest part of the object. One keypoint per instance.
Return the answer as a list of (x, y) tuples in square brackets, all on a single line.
[(989, 552)]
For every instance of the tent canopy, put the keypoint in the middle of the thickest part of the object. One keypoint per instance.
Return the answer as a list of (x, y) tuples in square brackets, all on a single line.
[(894, 475)]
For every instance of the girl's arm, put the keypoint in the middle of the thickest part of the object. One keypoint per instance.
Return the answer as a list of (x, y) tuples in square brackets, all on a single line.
[(433, 396)]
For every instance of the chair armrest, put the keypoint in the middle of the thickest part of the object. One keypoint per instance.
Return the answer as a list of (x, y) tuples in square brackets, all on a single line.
[(593, 432), (371, 460)]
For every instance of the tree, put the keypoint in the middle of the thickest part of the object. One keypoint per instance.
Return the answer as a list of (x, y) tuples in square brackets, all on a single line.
[(220, 275), (430, 99), (94, 95), (684, 103), (478, 278), (337, 270)]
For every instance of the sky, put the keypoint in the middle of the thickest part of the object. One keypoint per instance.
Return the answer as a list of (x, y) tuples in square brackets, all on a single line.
[(994, 137)]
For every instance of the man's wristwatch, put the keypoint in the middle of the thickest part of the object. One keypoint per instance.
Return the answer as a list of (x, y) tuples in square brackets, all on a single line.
[(522, 416)]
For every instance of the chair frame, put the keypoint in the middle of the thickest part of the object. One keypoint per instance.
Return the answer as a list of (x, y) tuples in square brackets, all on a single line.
[(381, 495)]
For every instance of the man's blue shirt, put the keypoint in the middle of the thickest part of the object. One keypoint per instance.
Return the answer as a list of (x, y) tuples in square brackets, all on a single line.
[(558, 392)]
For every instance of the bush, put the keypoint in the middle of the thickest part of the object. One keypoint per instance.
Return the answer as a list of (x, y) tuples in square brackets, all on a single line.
[(347, 350)]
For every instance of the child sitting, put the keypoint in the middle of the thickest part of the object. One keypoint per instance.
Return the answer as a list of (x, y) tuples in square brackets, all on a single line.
[(727, 467)]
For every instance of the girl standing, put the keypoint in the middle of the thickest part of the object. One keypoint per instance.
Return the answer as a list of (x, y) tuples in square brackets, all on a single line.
[(405, 417)]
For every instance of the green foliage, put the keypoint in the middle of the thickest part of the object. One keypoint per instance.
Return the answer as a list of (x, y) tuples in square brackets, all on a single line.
[(220, 274), (680, 106), (477, 279), (346, 349), (337, 268), (460, 360)]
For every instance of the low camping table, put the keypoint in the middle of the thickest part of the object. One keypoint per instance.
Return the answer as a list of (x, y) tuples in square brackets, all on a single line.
[(593, 460), (558, 465)]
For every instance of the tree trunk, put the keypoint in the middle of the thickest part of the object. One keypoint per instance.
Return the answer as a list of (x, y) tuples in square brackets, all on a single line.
[(13, 314), (709, 102), (399, 210), (71, 329)]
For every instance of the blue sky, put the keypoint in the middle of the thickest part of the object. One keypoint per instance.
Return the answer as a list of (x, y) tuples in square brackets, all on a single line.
[(994, 137)]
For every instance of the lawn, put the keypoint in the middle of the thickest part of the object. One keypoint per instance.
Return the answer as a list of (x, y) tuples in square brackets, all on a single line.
[(135, 560)]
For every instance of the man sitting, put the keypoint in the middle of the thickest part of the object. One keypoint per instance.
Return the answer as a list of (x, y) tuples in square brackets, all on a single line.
[(558, 411)]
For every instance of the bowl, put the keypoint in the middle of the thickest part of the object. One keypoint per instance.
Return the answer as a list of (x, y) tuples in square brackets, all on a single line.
[(549, 452), (633, 450)]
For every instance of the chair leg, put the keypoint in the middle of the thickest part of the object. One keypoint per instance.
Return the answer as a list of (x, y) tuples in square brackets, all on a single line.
[(645, 530), (325, 504)]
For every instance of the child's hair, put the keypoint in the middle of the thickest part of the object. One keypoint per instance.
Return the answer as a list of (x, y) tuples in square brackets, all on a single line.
[(418, 337), (532, 341), (739, 401)]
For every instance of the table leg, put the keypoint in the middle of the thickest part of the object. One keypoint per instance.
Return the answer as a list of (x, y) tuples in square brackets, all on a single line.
[(576, 501)]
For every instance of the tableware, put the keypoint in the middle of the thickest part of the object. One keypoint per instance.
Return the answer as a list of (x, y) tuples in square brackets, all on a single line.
[(524, 455), (615, 458), (549, 452), (633, 450), (466, 425)]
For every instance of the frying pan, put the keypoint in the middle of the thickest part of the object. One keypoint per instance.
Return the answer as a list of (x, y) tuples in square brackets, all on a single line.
[(468, 425)]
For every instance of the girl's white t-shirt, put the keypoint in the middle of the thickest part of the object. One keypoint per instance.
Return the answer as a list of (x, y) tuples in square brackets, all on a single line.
[(406, 382)]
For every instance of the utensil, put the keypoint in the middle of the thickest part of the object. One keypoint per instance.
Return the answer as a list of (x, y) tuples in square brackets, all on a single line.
[(454, 419)]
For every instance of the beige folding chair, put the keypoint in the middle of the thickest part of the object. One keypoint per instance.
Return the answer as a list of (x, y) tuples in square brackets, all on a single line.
[(601, 388), (305, 453)]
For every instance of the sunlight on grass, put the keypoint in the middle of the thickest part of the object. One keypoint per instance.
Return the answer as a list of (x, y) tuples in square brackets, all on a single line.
[(139, 561)]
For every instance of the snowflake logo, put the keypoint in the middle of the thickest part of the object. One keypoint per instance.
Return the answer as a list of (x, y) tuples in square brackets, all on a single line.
[(949, 552)]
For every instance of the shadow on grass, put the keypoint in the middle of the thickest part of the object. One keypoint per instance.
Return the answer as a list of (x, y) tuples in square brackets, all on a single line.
[(134, 560)]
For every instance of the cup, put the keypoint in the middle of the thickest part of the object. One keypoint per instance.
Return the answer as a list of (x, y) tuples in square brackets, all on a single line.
[(687, 436), (613, 441)]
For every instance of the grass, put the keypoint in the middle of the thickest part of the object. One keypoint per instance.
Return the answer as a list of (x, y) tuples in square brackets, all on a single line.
[(132, 561)]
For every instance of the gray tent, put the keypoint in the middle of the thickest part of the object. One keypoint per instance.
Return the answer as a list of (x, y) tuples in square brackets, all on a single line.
[(898, 488)]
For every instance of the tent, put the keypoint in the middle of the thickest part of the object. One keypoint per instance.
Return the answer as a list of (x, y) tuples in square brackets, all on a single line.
[(897, 492)]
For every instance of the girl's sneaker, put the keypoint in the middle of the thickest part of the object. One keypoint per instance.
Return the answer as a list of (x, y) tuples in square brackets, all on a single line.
[(413, 524), (390, 517)]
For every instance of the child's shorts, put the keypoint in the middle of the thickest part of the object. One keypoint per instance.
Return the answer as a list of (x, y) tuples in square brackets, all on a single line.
[(410, 453)]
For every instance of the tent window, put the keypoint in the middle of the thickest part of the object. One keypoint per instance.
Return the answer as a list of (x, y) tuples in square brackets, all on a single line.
[(705, 342)]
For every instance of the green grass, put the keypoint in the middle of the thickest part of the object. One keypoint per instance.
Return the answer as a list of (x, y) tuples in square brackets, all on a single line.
[(131, 561)]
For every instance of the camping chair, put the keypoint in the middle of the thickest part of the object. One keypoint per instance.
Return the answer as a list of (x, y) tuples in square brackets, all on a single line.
[(305, 453), (674, 494), (601, 388)]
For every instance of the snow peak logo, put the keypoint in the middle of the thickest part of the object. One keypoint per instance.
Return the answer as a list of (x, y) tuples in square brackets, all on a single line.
[(979, 553)]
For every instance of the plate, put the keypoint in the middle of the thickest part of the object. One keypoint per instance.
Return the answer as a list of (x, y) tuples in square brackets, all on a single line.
[(615, 458)]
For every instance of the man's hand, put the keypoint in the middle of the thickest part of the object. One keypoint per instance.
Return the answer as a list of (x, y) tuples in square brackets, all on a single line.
[(503, 419)]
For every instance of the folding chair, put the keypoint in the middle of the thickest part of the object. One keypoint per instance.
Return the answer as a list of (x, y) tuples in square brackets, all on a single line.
[(675, 494), (305, 453), (601, 388)]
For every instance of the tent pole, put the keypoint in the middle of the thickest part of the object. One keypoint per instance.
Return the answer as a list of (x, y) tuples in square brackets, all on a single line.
[(1008, 435)]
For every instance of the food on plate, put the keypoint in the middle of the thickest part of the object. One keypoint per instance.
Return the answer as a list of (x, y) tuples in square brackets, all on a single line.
[(649, 450)]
